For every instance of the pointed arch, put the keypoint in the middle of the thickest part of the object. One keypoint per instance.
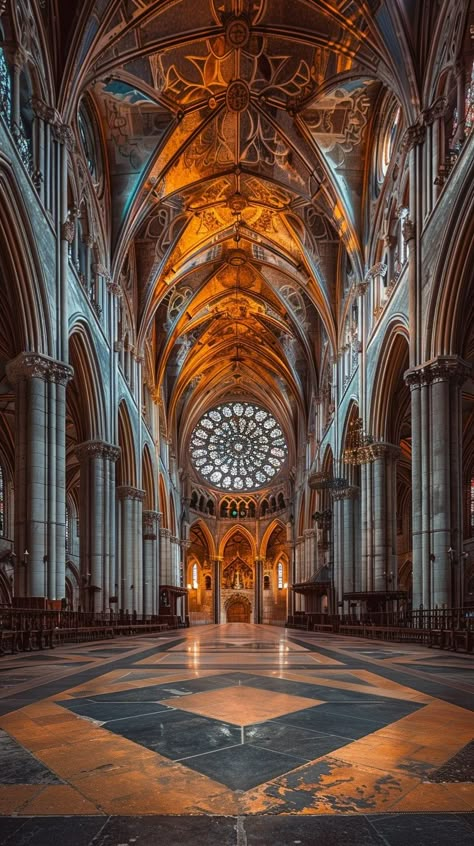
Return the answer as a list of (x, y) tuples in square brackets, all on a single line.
[(126, 465), (163, 505), (392, 362), (148, 480), (248, 536), (275, 524), (86, 390), (211, 545)]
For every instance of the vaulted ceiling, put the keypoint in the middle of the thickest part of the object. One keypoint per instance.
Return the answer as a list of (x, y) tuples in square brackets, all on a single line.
[(237, 139)]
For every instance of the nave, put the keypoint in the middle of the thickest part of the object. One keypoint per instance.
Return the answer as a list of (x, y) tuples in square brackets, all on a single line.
[(239, 735)]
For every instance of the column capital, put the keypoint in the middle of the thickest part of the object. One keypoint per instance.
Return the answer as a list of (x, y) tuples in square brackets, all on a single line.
[(361, 288), (443, 368), (437, 110), (349, 492), (409, 229), (165, 533), (29, 365), (382, 449), (378, 269), (414, 135), (64, 134), (152, 517), (96, 448), (44, 111), (129, 492)]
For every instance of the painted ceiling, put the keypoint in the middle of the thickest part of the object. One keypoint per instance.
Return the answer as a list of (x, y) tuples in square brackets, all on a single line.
[(236, 144)]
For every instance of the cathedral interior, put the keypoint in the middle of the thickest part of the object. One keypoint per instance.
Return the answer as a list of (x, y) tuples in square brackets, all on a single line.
[(237, 421)]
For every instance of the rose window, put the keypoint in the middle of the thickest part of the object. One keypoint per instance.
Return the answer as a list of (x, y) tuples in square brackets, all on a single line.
[(238, 446)]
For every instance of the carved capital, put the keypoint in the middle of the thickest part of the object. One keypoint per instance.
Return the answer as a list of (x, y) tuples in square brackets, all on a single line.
[(114, 289), (414, 135), (128, 492), (165, 533), (447, 368), (97, 449), (45, 112), (385, 450), (436, 110), (101, 270), (349, 492), (64, 134), (361, 288), (379, 269), (36, 366), (151, 519)]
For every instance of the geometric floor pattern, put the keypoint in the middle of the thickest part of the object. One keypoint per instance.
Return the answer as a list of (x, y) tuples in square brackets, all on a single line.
[(237, 734)]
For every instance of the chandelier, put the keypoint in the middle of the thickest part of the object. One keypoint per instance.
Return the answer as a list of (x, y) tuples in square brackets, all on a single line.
[(359, 445), (321, 480)]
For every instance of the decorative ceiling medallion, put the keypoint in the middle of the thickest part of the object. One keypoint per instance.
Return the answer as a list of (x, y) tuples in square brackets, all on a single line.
[(237, 258), (237, 203), (237, 32), (238, 96)]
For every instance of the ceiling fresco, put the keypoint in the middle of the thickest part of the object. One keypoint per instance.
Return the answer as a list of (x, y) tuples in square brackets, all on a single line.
[(237, 136)]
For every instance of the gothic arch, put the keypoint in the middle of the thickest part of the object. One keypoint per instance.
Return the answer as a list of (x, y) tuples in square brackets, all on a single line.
[(392, 363), (148, 480), (208, 536), (25, 293), (267, 535), (238, 528), (126, 465), (88, 383)]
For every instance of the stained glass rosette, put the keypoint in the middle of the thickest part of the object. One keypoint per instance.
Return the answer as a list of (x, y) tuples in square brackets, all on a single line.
[(238, 446)]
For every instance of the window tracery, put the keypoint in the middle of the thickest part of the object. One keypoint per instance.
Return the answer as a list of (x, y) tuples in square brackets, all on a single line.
[(238, 446)]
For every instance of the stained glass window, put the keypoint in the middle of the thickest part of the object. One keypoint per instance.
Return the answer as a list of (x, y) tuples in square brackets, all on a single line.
[(280, 575), (195, 582), (238, 446), (5, 88)]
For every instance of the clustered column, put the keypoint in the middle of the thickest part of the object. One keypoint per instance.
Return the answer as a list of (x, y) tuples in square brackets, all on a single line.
[(151, 567), (384, 516), (217, 589), (345, 564), (97, 523), (131, 547), (40, 467), (436, 479)]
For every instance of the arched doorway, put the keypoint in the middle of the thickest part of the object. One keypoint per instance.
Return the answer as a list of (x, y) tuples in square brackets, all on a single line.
[(238, 611)]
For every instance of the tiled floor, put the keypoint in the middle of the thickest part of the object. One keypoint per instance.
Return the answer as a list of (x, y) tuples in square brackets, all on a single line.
[(236, 734)]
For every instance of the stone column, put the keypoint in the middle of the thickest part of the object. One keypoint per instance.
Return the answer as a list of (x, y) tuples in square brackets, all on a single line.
[(258, 590), (384, 541), (131, 548), (217, 589), (344, 546), (151, 522), (97, 522), (165, 557), (175, 561), (436, 456), (40, 472)]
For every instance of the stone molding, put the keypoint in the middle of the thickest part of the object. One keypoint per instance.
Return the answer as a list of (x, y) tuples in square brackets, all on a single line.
[(30, 365), (446, 368), (96, 448), (129, 492)]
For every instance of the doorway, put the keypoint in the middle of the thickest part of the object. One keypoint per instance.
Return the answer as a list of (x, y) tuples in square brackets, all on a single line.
[(238, 612)]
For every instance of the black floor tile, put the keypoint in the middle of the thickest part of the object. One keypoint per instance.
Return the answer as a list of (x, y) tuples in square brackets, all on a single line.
[(424, 829), (280, 737), (18, 766), (178, 734), (311, 831), (243, 767), (322, 719), (52, 831), (105, 711), (9, 827), (168, 831)]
